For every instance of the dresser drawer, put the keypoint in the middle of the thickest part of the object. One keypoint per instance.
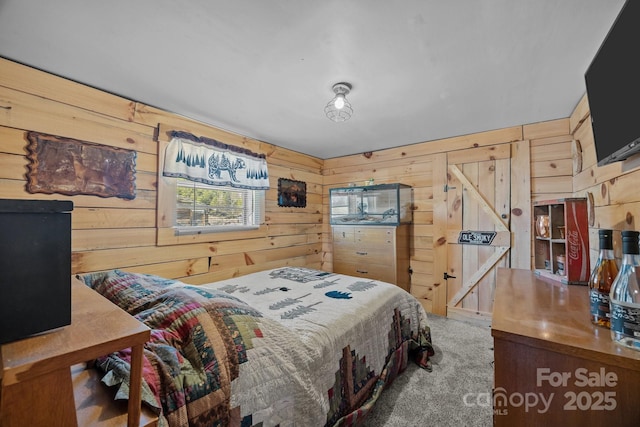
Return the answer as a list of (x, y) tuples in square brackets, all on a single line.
[(374, 255), (375, 236), (381, 272), (343, 235), (344, 252), (343, 266), (384, 273)]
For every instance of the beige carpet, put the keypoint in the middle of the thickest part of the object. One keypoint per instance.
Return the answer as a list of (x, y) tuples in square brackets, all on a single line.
[(456, 393)]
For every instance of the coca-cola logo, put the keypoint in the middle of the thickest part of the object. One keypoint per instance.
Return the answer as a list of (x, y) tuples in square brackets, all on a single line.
[(573, 238)]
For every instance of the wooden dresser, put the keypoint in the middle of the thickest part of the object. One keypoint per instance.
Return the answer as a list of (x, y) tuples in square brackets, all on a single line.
[(375, 252), (43, 380), (552, 366)]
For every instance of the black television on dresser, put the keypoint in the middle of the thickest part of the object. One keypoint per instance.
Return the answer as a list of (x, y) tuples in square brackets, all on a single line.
[(613, 88), (35, 267)]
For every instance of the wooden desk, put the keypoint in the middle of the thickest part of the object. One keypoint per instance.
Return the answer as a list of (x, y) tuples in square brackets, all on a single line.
[(547, 348), (37, 387)]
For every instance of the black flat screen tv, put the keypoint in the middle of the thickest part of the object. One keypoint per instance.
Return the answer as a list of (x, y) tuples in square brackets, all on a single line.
[(613, 88)]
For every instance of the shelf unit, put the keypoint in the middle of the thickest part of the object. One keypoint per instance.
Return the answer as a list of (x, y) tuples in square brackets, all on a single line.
[(570, 213)]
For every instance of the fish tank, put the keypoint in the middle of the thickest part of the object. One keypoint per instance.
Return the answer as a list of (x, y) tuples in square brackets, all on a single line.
[(382, 204)]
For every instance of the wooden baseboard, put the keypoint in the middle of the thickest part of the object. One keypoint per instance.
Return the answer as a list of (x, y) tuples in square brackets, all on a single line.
[(474, 317)]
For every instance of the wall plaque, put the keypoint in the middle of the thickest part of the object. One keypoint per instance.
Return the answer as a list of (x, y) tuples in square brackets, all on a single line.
[(476, 237), (69, 166), (292, 193)]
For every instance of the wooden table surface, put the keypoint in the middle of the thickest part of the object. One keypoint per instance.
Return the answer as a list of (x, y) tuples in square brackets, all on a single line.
[(553, 316), (552, 365), (97, 328), (35, 372)]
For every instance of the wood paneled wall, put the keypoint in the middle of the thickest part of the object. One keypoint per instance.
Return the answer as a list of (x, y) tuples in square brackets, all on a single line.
[(116, 233), (551, 177), (612, 195), (551, 161)]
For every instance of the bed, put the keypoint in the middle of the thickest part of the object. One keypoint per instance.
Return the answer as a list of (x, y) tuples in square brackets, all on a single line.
[(283, 347)]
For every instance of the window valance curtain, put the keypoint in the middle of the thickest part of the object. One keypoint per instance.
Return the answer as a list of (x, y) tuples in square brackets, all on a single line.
[(212, 162)]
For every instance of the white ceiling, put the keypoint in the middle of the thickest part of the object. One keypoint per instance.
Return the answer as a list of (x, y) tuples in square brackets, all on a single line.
[(420, 69)]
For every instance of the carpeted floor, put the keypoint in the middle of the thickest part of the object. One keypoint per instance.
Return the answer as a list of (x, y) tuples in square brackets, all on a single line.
[(456, 393)]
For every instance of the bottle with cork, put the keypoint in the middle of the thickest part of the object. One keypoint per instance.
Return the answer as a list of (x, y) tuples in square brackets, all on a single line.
[(601, 279)]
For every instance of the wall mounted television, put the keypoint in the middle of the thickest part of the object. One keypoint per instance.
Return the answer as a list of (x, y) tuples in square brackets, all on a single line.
[(613, 89)]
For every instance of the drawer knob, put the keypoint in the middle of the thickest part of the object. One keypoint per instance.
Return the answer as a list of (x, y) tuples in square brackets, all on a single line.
[(361, 253), (362, 271)]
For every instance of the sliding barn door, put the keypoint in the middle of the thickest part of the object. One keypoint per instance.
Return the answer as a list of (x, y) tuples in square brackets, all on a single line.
[(478, 203)]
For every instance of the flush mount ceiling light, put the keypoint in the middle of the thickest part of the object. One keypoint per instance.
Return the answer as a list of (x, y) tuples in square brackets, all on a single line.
[(339, 109)]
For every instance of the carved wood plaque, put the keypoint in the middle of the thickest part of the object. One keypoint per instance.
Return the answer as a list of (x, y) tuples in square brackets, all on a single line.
[(72, 167)]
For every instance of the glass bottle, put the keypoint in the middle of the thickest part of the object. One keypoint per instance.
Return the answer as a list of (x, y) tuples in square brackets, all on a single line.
[(601, 279), (625, 295), (542, 225)]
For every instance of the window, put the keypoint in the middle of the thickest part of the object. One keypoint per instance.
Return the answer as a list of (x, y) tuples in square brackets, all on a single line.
[(207, 208), (206, 186)]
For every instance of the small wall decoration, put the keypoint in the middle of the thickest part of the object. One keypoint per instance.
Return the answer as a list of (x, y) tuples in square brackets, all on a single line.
[(476, 237), (69, 166), (292, 193)]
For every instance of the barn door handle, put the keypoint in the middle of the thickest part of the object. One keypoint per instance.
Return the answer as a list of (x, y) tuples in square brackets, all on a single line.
[(446, 276)]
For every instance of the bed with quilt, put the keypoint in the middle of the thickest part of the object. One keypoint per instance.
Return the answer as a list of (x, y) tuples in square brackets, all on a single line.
[(284, 347)]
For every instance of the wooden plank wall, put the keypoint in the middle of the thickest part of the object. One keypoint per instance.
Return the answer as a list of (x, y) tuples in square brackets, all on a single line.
[(551, 162), (612, 193), (116, 233)]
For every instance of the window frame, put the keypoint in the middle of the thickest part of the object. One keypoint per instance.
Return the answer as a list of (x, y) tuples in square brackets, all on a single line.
[(165, 213), (256, 214)]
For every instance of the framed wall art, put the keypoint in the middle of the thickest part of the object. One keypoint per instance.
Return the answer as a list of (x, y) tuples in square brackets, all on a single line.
[(292, 193)]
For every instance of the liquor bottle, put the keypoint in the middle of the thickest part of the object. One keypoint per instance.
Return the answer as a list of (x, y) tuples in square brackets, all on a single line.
[(625, 295), (601, 279)]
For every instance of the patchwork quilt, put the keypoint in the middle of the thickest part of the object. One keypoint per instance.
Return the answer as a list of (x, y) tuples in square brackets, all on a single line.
[(282, 347)]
